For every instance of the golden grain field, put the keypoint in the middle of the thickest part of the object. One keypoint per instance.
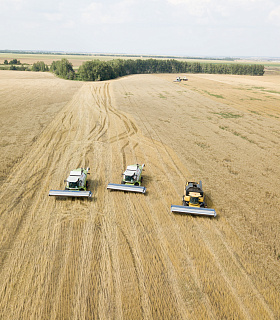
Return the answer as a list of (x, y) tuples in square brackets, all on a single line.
[(125, 256)]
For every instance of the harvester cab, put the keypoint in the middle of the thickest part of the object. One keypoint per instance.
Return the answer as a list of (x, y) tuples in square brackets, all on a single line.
[(194, 196), (133, 175), (77, 179), (76, 185), (131, 180), (193, 201)]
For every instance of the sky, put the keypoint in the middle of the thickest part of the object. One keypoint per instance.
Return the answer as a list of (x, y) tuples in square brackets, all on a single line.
[(203, 28)]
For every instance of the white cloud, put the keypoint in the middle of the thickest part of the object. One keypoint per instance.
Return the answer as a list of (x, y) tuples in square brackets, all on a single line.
[(194, 7), (11, 4), (222, 12), (200, 27), (274, 15), (112, 13), (53, 16), (223, 6)]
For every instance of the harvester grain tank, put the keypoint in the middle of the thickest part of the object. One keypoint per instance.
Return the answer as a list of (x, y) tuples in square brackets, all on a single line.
[(194, 201), (131, 181), (76, 185)]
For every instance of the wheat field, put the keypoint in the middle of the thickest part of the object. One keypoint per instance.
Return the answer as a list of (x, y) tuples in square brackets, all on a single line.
[(126, 256)]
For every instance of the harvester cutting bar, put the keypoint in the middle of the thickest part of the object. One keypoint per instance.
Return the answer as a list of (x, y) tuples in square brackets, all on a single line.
[(192, 210), (126, 187), (70, 193)]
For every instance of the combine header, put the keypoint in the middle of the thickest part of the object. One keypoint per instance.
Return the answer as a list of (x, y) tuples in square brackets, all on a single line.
[(76, 185), (193, 201), (132, 179)]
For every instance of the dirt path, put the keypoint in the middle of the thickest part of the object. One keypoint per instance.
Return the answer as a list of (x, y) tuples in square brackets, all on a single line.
[(125, 256)]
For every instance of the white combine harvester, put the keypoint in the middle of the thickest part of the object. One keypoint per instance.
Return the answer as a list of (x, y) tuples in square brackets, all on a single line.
[(178, 79), (132, 179), (76, 185)]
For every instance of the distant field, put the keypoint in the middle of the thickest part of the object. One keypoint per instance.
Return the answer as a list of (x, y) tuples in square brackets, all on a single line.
[(126, 256), (76, 60)]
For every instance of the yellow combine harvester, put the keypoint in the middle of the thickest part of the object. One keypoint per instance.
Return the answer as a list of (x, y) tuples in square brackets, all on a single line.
[(194, 201)]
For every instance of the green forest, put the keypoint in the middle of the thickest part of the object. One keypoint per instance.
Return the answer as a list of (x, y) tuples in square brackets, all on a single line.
[(96, 70)]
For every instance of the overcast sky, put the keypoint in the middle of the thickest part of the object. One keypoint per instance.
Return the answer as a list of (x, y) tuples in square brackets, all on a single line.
[(157, 27)]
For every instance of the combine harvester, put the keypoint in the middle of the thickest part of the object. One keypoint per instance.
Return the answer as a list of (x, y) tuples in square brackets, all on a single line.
[(178, 79), (76, 185), (132, 179), (193, 201)]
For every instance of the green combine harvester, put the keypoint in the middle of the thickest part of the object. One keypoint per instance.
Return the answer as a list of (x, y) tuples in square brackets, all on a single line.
[(131, 181), (76, 185)]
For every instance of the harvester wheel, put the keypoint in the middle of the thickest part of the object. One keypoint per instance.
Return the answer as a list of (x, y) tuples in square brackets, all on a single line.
[(122, 182), (136, 183)]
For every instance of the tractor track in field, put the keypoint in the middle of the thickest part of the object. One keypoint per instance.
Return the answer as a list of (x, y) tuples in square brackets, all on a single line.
[(122, 255), (132, 207), (133, 244)]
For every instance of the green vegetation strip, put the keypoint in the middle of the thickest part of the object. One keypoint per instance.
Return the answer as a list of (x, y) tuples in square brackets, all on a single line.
[(96, 70), (214, 95), (236, 133), (228, 115)]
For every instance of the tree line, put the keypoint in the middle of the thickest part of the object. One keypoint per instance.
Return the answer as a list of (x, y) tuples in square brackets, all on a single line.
[(96, 70), (15, 64)]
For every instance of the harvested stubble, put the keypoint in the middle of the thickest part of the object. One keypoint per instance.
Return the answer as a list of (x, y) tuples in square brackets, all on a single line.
[(123, 255)]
